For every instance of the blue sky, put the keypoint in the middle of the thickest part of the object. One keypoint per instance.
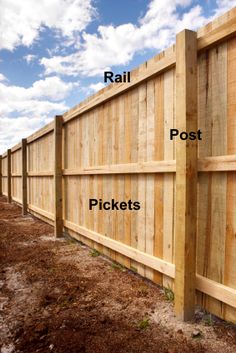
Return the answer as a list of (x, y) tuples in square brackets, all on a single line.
[(53, 52)]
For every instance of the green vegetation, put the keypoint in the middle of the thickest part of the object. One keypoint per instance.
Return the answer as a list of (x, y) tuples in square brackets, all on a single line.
[(169, 294), (143, 324), (117, 266), (94, 253)]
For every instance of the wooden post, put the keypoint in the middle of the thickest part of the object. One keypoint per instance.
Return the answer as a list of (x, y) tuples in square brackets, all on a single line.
[(0, 175), (58, 222), (186, 175), (9, 175), (24, 176)]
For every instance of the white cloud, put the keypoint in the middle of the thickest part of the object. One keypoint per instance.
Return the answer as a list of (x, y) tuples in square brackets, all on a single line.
[(14, 129), (42, 96), (114, 46), (29, 58), (2, 77), (22, 21), (117, 45), (35, 106)]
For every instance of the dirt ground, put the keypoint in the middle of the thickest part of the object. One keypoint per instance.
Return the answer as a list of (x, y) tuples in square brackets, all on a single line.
[(57, 296)]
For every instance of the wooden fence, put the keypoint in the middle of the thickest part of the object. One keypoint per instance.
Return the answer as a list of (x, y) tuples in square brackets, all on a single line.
[(116, 144)]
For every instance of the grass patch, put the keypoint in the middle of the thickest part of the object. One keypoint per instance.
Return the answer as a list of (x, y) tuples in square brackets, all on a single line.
[(94, 253), (169, 294), (117, 266), (143, 324)]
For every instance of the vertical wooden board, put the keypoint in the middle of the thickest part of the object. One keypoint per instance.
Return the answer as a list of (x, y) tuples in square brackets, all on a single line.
[(9, 197), (186, 175), (168, 187), (86, 178), (4, 172), (134, 159), (80, 159), (127, 186), (29, 169), (109, 178), (113, 131), (121, 179), (91, 195), (174, 174), (230, 240), (106, 187), (12, 171), (204, 179), (115, 158), (158, 183), (215, 269), (1, 177), (83, 164), (150, 178), (96, 141), (101, 137), (142, 155), (24, 175)]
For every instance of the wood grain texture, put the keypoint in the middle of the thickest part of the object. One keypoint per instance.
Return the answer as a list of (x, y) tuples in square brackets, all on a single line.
[(186, 175), (58, 226), (159, 156), (16, 190), (24, 175), (168, 182), (1, 176), (229, 313), (9, 175)]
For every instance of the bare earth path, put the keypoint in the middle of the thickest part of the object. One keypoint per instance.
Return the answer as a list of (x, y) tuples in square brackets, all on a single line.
[(56, 297)]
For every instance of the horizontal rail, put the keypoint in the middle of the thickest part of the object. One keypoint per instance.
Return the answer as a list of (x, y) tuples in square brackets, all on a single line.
[(44, 131), (16, 147), (42, 212), (19, 201), (216, 290), (129, 168), (137, 255), (205, 285), (215, 36), (40, 174), (217, 164), (206, 164)]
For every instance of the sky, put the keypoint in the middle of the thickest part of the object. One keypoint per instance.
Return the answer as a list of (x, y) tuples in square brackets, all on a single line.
[(53, 53)]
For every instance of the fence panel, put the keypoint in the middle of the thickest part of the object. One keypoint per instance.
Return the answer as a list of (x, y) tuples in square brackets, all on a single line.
[(216, 246), (4, 174), (16, 172), (40, 175)]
